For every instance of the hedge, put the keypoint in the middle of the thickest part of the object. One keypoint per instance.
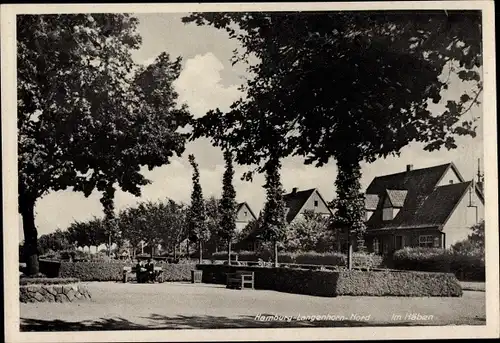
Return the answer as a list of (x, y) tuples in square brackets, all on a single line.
[(310, 257), (106, 271), (46, 281), (465, 267), (409, 284), (334, 283)]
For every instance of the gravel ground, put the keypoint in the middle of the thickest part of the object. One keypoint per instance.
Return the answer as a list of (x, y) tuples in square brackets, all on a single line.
[(473, 286), (118, 306)]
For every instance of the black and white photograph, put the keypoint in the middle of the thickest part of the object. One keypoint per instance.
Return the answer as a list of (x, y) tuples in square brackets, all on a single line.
[(249, 171)]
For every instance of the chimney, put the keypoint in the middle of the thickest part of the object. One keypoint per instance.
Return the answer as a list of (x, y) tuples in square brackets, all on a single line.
[(409, 167), (294, 190)]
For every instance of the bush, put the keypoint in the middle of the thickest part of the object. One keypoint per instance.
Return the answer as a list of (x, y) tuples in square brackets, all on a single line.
[(333, 283), (93, 271), (106, 271), (312, 257), (468, 267), (46, 281), (409, 284)]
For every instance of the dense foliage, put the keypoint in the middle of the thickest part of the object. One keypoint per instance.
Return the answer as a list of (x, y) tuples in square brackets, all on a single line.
[(228, 203), (88, 117), (343, 85), (273, 215), (197, 220), (309, 233), (465, 266)]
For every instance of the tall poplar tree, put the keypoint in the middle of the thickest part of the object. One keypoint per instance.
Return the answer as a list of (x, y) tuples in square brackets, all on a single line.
[(228, 204), (273, 215), (197, 215)]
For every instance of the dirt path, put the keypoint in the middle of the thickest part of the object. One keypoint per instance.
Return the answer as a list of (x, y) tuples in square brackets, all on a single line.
[(118, 306)]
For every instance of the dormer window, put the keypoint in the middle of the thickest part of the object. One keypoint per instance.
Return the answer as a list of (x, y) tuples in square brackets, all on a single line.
[(393, 203)]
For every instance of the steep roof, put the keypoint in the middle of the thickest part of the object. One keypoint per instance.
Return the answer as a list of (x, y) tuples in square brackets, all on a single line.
[(424, 205), (397, 197), (241, 205), (371, 201), (295, 201)]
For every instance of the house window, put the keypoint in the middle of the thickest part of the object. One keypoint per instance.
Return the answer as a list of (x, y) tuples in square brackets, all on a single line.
[(246, 213), (376, 246), (426, 241), (315, 203)]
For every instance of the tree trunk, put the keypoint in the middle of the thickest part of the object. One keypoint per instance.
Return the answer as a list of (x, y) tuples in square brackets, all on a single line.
[(187, 249), (349, 252), (109, 245), (175, 250), (200, 248), (275, 254), (27, 210), (229, 252)]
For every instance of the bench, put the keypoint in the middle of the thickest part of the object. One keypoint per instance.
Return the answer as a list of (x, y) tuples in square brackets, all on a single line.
[(239, 279), (132, 272)]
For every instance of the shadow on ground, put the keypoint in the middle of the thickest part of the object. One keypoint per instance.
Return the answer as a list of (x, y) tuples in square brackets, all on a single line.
[(158, 322)]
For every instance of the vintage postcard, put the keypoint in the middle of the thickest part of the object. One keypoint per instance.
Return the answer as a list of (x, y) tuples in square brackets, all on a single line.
[(249, 171)]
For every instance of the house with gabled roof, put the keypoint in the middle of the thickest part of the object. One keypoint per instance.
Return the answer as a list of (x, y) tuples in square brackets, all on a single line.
[(296, 204), (244, 215), (428, 207)]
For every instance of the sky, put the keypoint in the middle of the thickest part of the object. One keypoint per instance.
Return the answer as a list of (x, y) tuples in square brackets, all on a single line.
[(207, 81)]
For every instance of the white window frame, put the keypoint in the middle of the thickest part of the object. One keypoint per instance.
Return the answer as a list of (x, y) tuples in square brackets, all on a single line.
[(426, 241)]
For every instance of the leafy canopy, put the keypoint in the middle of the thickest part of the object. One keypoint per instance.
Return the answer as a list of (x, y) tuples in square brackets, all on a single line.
[(325, 82), (88, 117)]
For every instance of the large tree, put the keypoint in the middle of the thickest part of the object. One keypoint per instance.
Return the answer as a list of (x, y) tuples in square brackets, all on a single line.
[(352, 86), (228, 204), (197, 221), (309, 233), (88, 117)]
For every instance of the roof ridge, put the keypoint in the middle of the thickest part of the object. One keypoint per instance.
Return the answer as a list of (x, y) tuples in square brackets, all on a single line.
[(414, 170), (454, 184)]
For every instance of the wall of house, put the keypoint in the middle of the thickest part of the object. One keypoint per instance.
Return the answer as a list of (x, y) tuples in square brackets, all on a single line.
[(457, 227), (450, 175), (410, 238), (309, 206), (243, 217)]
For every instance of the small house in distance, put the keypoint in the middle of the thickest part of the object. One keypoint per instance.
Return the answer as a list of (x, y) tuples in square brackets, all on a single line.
[(429, 207), (244, 215), (296, 204)]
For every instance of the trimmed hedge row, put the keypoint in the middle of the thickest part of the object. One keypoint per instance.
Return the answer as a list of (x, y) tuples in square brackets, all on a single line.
[(310, 257), (408, 284), (465, 267), (107, 271), (46, 281), (335, 283)]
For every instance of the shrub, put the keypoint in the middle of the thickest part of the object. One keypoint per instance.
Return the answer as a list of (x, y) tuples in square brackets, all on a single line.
[(93, 271), (113, 271), (333, 283), (46, 281), (465, 266), (312, 257), (410, 284)]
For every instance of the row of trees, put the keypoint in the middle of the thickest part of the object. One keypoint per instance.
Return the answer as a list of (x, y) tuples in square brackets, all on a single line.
[(338, 85)]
